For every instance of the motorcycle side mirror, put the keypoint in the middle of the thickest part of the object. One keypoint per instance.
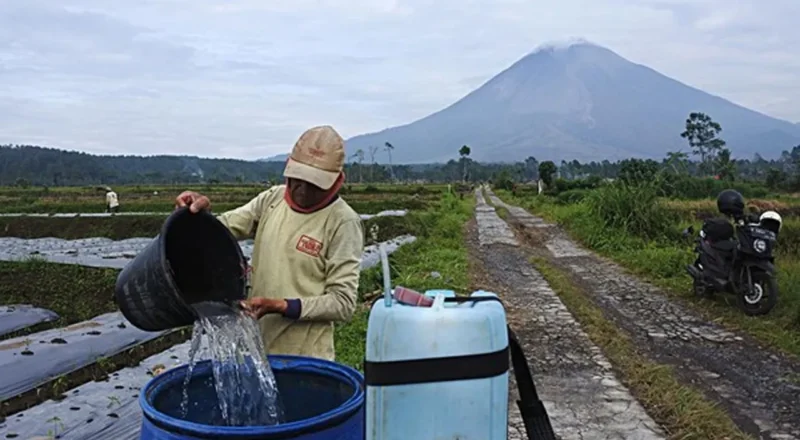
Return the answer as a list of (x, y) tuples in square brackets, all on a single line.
[(688, 231)]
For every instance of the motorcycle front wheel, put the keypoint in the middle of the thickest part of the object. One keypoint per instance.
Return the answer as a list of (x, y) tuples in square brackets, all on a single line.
[(701, 290), (760, 295)]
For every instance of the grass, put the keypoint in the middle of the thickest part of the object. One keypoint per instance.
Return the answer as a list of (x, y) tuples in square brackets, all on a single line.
[(682, 411), (439, 248), (76, 293), (661, 261)]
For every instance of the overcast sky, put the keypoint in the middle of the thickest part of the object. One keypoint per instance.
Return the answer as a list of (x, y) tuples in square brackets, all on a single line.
[(243, 78)]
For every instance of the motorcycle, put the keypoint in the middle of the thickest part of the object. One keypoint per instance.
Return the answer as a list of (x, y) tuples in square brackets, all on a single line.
[(743, 266)]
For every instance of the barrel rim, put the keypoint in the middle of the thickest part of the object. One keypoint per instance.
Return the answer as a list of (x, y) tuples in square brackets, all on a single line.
[(334, 417)]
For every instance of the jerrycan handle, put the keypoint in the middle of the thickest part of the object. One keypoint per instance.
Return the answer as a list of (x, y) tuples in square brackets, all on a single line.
[(387, 276), (438, 301)]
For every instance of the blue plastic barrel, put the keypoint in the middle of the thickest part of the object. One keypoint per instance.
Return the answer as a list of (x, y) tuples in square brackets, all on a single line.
[(438, 372), (321, 400)]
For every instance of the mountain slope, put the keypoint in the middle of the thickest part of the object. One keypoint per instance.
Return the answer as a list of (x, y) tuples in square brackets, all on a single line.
[(577, 102)]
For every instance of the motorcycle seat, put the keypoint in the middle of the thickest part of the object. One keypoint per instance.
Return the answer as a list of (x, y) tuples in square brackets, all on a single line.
[(726, 246)]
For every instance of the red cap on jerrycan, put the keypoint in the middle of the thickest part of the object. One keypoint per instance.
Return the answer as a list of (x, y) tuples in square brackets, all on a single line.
[(411, 297)]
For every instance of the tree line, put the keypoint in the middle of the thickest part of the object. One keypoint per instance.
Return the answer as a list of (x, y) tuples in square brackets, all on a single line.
[(25, 165)]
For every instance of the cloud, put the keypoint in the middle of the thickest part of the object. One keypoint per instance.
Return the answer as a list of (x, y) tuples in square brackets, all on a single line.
[(244, 78)]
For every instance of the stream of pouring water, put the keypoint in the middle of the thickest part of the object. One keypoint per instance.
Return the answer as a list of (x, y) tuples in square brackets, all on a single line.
[(246, 390)]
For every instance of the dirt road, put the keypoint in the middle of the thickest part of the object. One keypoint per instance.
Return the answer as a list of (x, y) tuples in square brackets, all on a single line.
[(758, 387), (582, 395)]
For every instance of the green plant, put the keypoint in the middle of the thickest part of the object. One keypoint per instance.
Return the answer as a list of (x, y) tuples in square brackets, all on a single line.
[(58, 426), (572, 196), (113, 400), (633, 209)]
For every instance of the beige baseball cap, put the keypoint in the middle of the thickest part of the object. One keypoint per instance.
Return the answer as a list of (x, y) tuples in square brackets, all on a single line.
[(317, 157)]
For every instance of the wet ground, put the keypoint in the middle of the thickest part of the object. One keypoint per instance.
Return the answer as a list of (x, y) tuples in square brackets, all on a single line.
[(582, 396), (757, 386)]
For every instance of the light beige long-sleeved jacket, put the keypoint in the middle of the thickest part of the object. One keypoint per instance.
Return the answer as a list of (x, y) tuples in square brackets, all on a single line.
[(314, 257)]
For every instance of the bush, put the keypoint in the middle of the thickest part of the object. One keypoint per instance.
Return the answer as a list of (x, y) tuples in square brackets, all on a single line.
[(634, 209), (688, 187), (563, 185), (419, 190), (572, 196), (503, 180)]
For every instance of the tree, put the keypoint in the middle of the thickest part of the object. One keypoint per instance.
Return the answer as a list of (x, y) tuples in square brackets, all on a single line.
[(359, 155), (546, 171), (503, 180), (464, 152), (775, 177), (389, 148), (702, 134), (372, 150), (677, 160), (637, 171), (531, 167), (726, 167)]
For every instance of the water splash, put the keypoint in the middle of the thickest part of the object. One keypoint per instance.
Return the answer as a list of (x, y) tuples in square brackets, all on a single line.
[(194, 351), (247, 393)]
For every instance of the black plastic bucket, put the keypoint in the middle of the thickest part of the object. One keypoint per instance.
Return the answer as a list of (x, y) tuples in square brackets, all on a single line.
[(195, 259)]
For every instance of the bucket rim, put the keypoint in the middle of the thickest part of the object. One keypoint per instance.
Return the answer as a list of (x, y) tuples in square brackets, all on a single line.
[(346, 374)]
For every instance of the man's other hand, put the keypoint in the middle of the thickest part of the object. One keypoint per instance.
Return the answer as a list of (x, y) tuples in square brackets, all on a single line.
[(258, 307)]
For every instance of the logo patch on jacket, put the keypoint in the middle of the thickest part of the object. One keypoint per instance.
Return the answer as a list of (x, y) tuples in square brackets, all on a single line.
[(309, 246)]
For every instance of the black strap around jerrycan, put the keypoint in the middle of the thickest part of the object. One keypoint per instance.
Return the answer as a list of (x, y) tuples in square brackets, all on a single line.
[(534, 415)]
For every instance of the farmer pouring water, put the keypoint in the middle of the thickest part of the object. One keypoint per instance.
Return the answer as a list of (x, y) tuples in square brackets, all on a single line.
[(307, 248)]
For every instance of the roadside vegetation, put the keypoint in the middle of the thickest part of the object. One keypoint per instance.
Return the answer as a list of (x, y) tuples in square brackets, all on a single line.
[(637, 225)]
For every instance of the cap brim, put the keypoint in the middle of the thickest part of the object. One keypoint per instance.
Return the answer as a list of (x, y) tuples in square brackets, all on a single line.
[(315, 176)]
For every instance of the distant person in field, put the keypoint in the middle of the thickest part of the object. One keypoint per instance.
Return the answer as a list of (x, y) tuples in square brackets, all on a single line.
[(308, 246), (112, 201)]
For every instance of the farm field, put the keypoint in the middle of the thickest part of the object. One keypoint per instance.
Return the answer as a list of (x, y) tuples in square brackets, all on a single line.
[(643, 233), (74, 311), (370, 198), (78, 294)]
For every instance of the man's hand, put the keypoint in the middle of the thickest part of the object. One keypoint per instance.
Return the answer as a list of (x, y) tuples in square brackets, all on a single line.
[(195, 201), (258, 307)]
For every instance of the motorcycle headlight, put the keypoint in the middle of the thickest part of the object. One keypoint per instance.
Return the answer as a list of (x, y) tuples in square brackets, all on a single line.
[(759, 245)]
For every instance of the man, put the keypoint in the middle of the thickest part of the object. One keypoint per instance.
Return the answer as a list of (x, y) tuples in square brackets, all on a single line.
[(112, 201), (308, 246)]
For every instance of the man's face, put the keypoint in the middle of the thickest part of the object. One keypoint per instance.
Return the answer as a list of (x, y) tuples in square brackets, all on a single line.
[(305, 194)]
